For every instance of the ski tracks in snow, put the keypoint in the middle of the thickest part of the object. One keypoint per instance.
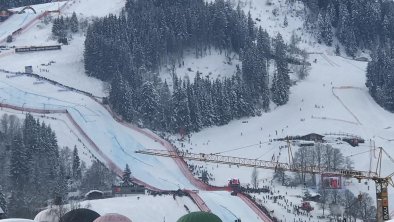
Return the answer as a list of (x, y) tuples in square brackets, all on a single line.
[(332, 63), (343, 103)]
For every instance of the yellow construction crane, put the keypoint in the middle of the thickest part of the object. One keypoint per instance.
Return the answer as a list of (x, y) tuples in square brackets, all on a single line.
[(382, 183)]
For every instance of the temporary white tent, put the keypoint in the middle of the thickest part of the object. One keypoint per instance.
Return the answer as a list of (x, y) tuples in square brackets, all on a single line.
[(49, 215)]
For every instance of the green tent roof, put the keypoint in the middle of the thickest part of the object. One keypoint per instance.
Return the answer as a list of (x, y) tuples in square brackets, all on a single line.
[(199, 217)]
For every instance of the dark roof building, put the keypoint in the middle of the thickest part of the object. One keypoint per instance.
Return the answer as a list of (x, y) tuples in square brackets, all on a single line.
[(199, 217), (80, 215), (313, 137)]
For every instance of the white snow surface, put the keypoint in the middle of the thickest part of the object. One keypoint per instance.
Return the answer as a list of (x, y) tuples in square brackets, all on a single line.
[(95, 8)]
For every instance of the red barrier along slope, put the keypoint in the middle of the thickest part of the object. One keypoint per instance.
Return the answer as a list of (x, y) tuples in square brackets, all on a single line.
[(184, 168), (254, 207)]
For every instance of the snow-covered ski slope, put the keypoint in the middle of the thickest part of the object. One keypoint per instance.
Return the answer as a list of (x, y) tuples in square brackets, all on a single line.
[(115, 140), (314, 107), (19, 21)]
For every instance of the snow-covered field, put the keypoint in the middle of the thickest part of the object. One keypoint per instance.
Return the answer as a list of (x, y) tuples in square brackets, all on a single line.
[(94, 8), (314, 107)]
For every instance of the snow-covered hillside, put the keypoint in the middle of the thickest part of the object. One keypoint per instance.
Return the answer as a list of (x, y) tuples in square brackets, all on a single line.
[(333, 99)]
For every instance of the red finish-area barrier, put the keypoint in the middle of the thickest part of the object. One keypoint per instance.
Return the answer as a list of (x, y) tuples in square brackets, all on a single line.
[(198, 200), (254, 207)]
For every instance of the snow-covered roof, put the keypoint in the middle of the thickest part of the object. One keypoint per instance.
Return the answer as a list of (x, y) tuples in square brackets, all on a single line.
[(1, 211), (93, 191)]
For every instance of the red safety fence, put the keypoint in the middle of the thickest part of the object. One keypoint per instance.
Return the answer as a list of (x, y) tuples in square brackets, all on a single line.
[(254, 207), (198, 200)]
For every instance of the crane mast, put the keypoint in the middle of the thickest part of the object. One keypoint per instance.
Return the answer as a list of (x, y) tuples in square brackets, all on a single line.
[(382, 183)]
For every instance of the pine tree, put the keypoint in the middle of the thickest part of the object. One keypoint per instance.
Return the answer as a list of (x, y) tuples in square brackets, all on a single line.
[(325, 28), (255, 178), (337, 50), (149, 104), (285, 22), (181, 112), (74, 24), (263, 53), (97, 177), (126, 178), (165, 107), (281, 81), (195, 109), (19, 175), (76, 167), (60, 190), (62, 28), (280, 176), (251, 28), (19, 168), (3, 202), (56, 27)]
